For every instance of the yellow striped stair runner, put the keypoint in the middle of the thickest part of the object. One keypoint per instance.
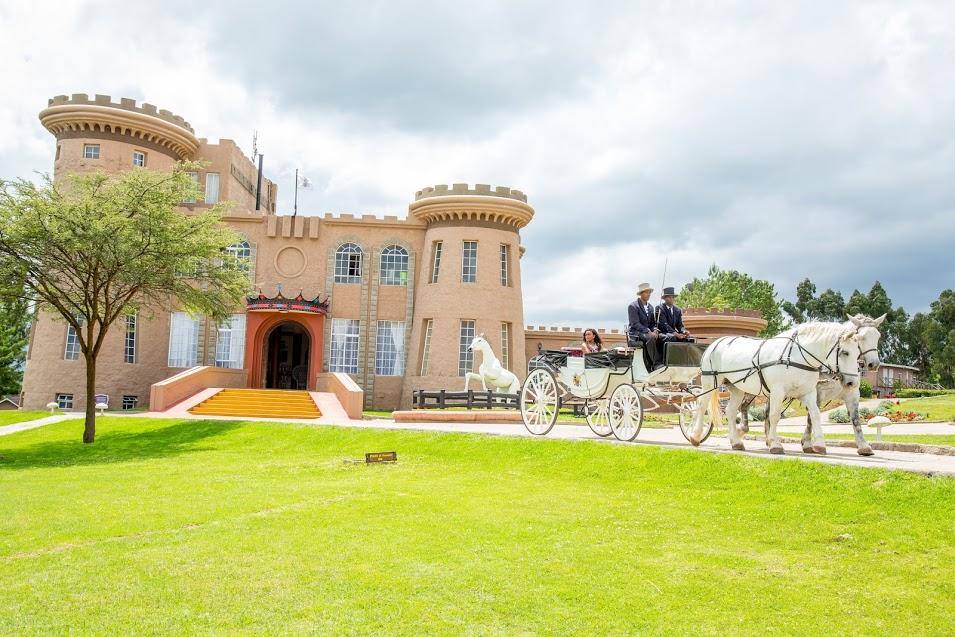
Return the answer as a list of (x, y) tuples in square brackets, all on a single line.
[(262, 403)]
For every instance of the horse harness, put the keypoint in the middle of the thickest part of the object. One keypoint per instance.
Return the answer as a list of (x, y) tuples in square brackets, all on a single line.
[(785, 358)]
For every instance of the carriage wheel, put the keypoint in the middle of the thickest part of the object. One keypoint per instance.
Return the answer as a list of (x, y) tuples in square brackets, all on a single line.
[(625, 412), (688, 412), (539, 402), (597, 412)]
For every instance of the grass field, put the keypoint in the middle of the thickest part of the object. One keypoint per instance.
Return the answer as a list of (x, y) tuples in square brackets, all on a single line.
[(174, 527), (940, 408), (12, 417)]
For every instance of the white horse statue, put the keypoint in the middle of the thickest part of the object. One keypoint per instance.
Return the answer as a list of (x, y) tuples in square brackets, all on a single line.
[(491, 373), (785, 366)]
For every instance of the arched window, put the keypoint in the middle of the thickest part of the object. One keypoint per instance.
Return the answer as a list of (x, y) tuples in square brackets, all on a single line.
[(394, 266), (241, 252), (348, 264)]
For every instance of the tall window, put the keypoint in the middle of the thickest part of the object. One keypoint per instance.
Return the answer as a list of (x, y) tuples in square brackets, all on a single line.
[(212, 188), (348, 264), (469, 262), (505, 264), (394, 266), (129, 348), (465, 355), (506, 345), (241, 252), (436, 260), (139, 158), (230, 342), (390, 349), (344, 346), (195, 179), (90, 151), (183, 340), (426, 347), (72, 351)]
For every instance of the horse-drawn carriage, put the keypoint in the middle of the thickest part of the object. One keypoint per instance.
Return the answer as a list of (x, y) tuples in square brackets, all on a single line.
[(615, 387)]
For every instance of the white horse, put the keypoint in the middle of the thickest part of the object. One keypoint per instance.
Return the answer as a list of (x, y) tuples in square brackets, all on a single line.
[(785, 366), (491, 373)]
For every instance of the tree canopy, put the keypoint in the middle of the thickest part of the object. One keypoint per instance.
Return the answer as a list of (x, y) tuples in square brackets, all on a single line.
[(731, 289), (14, 325), (95, 247)]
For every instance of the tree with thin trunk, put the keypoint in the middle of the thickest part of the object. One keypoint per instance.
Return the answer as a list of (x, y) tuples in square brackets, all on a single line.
[(94, 248)]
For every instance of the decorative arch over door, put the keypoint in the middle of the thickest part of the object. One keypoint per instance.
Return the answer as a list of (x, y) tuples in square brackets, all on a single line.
[(260, 327)]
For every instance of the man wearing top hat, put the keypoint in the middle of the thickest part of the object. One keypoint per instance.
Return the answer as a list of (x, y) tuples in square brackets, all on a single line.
[(642, 324), (670, 318)]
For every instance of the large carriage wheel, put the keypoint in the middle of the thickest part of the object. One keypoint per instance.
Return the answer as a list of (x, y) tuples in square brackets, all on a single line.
[(539, 401), (597, 412), (625, 412), (688, 412)]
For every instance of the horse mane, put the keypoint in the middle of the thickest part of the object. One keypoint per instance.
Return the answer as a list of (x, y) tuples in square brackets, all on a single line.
[(815, 331)]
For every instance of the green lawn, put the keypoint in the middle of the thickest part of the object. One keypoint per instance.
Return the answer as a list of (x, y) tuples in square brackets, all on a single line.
[(937, 407), (14, 416), (183, 527)]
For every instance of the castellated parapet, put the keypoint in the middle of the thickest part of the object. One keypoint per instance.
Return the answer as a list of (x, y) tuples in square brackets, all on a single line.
[(462, 204), (78, 114), (481, 190)]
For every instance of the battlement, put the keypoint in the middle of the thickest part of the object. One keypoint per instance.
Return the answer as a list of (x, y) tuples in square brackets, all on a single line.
[(125, 104), (480, 190)]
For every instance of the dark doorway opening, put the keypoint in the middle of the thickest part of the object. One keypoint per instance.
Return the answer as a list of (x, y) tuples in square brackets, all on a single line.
[(286, 357)]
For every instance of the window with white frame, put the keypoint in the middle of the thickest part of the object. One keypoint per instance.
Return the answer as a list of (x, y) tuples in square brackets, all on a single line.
[(348, 264), (505, 264), (344, 346), (72, 350), (130, 402), (436, 249), (129, 345), (90, 151), (469, 262), (465, 355), (230, 342), (183, 340), (195, 180), (394, 266), (426, 347), (212, 188), (390, 349), (64, 401), (242, 252), (506, 345), (139, 158)]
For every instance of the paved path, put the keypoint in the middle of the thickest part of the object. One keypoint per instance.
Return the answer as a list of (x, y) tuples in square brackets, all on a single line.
[(33, 424), (671, 437)]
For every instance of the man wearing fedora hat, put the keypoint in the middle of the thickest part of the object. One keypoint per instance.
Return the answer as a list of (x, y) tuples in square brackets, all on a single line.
[(670, 318), (642, 324)]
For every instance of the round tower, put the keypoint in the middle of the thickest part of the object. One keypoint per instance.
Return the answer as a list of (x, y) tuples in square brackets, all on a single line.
[(98, 134), (468, 283)]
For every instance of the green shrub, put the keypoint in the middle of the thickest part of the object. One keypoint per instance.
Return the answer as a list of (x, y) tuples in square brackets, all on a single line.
[(911, 392), (865, 389), (840, 415), (757, 412)]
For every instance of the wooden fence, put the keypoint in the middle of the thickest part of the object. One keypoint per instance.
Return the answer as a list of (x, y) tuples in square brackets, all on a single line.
[(443, 399)]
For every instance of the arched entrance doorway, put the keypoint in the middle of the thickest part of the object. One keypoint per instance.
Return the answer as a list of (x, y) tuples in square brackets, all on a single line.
[(286, 357)]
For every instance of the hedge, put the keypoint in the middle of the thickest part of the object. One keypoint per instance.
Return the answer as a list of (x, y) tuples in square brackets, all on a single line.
[(910, 392)]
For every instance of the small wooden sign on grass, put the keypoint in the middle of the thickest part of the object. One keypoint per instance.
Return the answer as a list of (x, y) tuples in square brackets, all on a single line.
[(381, 456)]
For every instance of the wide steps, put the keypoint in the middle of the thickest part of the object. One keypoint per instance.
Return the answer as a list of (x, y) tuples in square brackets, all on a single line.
[(259, 403)]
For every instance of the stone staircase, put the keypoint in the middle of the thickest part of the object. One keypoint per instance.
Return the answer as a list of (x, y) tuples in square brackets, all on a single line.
[(261, 403)]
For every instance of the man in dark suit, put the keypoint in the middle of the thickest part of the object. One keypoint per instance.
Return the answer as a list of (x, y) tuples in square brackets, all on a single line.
[(670, 318), (642, 324)]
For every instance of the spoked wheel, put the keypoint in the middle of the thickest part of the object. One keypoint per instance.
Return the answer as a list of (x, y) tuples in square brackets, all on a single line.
[(625, 412), (688, 412), (598, 417), (539, 402)]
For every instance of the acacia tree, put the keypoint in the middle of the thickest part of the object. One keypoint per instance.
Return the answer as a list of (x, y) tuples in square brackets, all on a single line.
[(96, 247), (730, 289)]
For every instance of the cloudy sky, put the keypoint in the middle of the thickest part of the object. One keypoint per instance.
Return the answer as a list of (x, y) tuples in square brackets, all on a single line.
[(784, 139)]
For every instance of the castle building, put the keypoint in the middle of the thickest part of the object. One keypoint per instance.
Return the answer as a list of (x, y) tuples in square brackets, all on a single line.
[(392, 302)]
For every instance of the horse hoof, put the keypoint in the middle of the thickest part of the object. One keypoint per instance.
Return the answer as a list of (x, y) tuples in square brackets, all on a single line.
[(807, 449), (745, 428), (694, 440), (821, 449), (738, 446), (776, 449), (866, 451)]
